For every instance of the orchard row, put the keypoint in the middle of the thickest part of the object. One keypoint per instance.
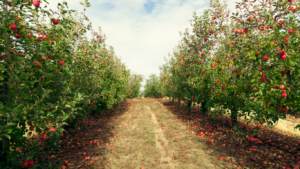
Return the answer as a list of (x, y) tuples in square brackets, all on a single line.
[(245, 62), (52, 76)]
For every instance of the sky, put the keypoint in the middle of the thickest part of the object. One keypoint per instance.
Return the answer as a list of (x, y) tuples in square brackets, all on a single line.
[(142, 32)]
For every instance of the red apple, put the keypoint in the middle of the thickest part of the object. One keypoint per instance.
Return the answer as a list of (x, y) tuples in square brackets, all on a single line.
[(283, 95), (31, 128), (61, 63), (44, 36), (283, 57), (281, 87), (292, 9), (36, 3), (251, 139), (44, 137), (18, 36), (30, 163), (25, 164), (52, 129), (13, 27), (55, 22)]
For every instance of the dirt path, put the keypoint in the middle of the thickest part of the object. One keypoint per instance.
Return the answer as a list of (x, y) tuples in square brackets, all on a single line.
[(149, 136)]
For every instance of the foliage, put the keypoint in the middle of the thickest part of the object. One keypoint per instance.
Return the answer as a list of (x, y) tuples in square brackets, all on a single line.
[(152, 87), (52, 75), (243, 62)]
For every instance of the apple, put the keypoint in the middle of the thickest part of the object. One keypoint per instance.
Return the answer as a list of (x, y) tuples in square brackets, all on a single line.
[(44, 137), (261, 80), (290, 0), (264, 76), (281, 87), (44, 36), (61, 63), (55, 22), (52, 129), (18, 36), (25, 164), (30, 163), (13, 27), (292, 9), (283, 95), (31, 128), (251, 139), (265, 58), (36, 3), (283, 111)]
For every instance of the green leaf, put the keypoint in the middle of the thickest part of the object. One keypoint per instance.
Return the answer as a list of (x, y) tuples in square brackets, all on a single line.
[(82, 3), (6, 135)]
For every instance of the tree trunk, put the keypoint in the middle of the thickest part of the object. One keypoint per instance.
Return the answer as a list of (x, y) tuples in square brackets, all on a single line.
[(233, 116), (203, 107), (6, 100), (189, 107)]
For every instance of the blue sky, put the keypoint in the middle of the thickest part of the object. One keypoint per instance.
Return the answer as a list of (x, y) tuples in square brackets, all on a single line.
[(142, 32)]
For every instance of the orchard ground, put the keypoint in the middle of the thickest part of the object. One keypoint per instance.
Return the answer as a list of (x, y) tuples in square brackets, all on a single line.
[(155, 133)]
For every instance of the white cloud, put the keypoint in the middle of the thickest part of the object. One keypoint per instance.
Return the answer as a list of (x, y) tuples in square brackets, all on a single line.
[(141, 39)]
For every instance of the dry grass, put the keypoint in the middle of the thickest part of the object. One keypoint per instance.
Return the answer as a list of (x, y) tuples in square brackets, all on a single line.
[(135, 129), (154, 147), (186, 149)]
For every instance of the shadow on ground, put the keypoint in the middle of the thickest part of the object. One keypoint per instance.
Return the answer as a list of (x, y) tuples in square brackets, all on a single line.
[(85, 149), (267, 149)]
